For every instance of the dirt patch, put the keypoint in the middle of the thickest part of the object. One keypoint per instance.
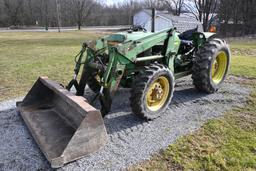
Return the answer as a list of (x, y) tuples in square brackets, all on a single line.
[(243, 51), (131, 140)]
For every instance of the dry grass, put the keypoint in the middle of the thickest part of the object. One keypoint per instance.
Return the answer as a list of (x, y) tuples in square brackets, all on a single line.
[(26, 55)]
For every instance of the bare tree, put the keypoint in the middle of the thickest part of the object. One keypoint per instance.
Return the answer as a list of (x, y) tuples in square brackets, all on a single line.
[(13, 9), (203, 10), (46, 16), (175, 5), (158, 4), (236, 14), (248, 8), (30, 11), (58, 14), (228, 10), (82, 10), (131, 4), (238, 17)]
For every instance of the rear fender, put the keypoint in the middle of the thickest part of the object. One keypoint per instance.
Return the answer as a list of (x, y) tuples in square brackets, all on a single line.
[(200, 38), (208, 35)]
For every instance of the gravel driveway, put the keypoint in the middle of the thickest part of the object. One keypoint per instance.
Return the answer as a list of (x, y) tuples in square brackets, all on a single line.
[(130, 139)]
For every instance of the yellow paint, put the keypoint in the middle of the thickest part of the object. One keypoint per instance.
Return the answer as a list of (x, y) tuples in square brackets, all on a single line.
[(219, 67), (158, 93)]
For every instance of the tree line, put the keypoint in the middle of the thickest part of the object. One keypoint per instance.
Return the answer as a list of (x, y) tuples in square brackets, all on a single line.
[(51, 13)]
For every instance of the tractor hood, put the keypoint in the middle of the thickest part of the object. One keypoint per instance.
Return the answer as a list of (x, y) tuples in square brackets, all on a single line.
[(123, 37)]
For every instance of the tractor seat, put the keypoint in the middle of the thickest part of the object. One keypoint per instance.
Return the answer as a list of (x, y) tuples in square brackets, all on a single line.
[(186, 40), (187, 35)]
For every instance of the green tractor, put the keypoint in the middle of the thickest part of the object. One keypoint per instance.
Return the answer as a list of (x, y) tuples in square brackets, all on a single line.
[(149, 63), (146, 62)]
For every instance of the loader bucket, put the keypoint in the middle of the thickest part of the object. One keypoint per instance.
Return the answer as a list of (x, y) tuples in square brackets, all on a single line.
[(65, 126)]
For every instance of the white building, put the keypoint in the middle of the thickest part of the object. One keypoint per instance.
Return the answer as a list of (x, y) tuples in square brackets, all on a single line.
[(164, 20)]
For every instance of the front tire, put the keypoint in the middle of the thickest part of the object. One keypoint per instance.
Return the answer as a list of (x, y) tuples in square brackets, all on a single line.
[(152, 91), (211, 66)]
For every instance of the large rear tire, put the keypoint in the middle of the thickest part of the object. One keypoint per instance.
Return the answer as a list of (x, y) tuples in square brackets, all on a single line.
[(211, 65), (152, 91)]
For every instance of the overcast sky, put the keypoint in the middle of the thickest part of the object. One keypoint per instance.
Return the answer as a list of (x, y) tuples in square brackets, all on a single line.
[(111, 2), (114, 1)]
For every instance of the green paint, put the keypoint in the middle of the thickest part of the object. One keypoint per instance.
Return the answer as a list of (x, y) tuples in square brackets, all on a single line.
[(124, 50)]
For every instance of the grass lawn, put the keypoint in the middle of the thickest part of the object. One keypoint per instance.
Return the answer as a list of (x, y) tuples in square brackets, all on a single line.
[(244, 58), (26, 55), (227, 143)]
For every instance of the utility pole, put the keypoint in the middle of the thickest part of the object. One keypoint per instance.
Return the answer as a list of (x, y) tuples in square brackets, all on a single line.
[(58, 15)]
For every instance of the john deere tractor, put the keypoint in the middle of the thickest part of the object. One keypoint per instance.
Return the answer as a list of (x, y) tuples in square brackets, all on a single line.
[(146, 62), (149, 63)]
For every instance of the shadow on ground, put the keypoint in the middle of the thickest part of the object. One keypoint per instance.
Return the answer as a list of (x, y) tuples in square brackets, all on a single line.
[(128, 120)]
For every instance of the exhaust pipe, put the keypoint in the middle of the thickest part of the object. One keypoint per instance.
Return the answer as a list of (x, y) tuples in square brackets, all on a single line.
[(65, 126), (153, 24)]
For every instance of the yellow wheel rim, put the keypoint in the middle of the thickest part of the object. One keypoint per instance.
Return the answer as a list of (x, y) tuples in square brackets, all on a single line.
[(157, 93), (219, 67)]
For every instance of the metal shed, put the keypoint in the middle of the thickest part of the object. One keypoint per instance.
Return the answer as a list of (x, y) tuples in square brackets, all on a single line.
[(164, 20)]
